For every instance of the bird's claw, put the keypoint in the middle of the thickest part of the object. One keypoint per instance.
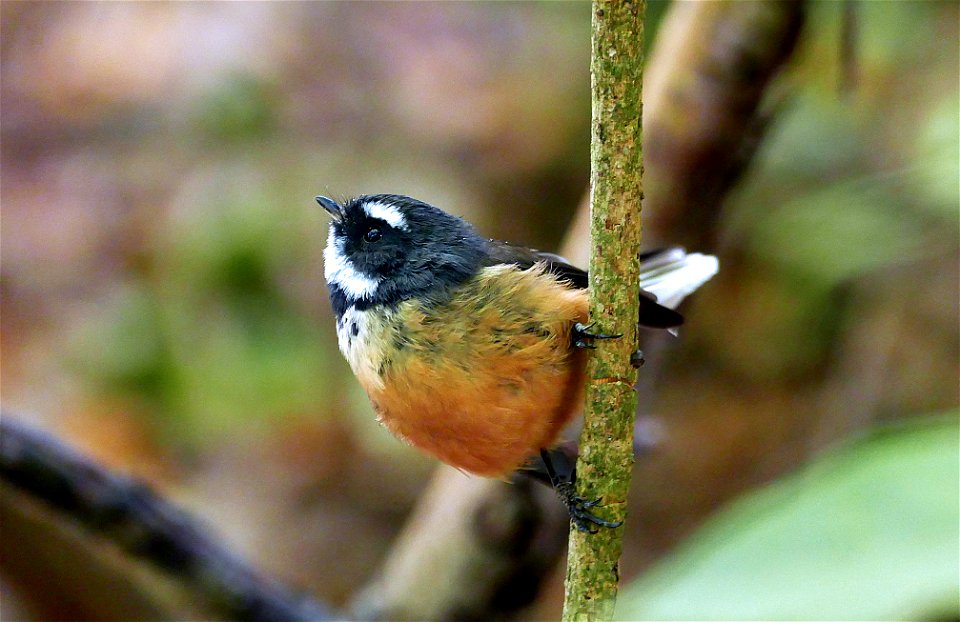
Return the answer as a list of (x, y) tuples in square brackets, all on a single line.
[(579, 508), (583, 338), (589, 504)]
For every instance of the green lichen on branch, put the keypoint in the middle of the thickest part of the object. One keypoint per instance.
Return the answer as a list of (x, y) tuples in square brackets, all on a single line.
[(606, 443)]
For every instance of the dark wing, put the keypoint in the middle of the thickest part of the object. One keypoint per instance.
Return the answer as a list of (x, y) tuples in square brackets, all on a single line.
[(652, 315), (501, 252)]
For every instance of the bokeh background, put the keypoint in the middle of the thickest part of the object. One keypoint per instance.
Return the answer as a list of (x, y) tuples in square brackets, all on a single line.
[(163, 306)]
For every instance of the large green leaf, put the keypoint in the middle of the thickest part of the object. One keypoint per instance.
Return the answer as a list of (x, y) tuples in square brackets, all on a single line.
[(869, 531)]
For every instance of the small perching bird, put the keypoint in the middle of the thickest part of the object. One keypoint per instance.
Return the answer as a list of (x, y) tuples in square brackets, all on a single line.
[(470, 348)]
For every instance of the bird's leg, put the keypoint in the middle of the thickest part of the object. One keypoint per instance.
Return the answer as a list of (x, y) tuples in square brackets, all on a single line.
[(578, 507), (583, 338)]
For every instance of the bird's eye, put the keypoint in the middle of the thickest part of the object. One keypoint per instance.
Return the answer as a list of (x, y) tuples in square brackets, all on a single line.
[(372, 235)]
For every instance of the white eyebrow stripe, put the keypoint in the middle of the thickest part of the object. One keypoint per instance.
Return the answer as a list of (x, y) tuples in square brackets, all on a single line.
[(387, 213), (338, 271)]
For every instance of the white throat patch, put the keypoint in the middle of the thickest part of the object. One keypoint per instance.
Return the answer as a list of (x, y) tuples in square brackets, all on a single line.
[(387, 213), (338, 271)]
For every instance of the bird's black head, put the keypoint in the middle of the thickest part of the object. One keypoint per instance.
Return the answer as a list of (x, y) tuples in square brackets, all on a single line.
[(386, 248)]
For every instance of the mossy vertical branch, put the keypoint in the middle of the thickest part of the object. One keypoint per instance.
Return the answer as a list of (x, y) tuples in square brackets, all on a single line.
[(606, 443)]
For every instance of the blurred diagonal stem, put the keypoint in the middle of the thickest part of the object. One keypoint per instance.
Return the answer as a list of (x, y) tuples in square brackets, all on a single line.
[(616, 191), (72, 502)]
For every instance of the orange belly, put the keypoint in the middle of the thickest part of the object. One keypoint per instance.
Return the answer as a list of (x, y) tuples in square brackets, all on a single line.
[(486, 380)]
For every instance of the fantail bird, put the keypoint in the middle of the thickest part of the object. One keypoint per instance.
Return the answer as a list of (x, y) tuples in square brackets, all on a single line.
[(470, 348)]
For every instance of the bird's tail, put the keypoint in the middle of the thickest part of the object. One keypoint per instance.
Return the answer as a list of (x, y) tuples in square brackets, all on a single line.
[(672, 274), (667, 276)]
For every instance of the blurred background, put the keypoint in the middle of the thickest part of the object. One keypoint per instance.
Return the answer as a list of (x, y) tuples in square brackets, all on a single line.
[(163, 305)]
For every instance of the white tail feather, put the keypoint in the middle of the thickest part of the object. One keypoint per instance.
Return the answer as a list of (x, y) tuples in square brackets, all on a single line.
[(674, 275)]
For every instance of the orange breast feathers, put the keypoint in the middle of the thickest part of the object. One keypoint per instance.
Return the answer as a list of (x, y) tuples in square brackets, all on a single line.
[(485, 380)]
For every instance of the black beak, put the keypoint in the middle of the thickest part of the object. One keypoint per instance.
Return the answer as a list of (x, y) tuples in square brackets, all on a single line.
[(332, 207)]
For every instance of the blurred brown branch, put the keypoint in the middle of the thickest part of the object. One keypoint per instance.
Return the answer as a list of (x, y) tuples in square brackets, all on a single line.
[(104, 528), (474, 549), (704, 113), (706, 80)]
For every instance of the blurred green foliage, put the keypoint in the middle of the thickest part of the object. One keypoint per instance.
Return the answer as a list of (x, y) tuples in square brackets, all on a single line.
[(209, 339), (240, 107), (843, 221), (844, 187), (866, 532)]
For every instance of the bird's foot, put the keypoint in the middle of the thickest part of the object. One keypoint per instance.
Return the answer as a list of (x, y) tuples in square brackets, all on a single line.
[(579, 508), (583, 338)]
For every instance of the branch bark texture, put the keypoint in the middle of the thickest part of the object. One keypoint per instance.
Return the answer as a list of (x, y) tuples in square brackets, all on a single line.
[(616, 192)]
